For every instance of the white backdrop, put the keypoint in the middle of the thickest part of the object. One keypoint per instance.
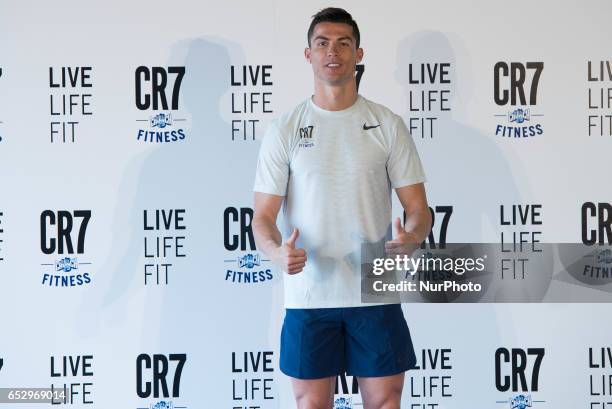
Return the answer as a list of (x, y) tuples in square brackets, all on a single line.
[(212, 315)]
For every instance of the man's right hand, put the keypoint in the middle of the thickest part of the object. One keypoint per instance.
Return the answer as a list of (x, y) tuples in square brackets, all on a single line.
[(287, 257)]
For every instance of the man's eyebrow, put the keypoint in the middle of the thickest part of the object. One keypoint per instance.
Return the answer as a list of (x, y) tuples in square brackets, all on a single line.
[(320, 37)]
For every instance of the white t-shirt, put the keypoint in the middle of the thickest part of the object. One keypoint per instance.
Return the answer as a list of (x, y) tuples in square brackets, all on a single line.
[(336, 170)]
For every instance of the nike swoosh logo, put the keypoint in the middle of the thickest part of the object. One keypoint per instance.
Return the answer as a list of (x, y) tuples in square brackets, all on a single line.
[(365, 127)]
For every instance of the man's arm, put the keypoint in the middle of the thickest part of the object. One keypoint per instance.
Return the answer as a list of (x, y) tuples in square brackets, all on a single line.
[(418, 220), (268, 238)]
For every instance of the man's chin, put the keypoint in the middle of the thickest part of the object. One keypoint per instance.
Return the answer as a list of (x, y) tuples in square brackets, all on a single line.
[(335, 81)]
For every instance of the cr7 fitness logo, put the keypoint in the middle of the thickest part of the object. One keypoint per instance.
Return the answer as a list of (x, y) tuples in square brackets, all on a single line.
[(243, 264), (62, 236), (346, 392), (515, 88), (596, 223), (517, 375), (590, 260), (305, 133), (157, 94), (158, 378), (595, 268)]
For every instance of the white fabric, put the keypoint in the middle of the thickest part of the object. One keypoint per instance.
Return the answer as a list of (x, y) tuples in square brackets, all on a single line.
[(337, 187)]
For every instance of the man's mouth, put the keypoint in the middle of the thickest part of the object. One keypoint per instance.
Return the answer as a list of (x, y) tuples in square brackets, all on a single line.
[(333, 65)]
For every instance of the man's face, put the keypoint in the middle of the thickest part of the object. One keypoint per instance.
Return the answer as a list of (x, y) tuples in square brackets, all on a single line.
[(333, 53)]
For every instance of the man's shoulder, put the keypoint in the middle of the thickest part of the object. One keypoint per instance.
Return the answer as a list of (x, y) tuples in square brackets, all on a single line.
[(289, 119), (378, 109), (284, 127)]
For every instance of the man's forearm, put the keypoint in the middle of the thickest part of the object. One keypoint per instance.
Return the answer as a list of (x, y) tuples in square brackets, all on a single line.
[(418, 224), (267, 236)]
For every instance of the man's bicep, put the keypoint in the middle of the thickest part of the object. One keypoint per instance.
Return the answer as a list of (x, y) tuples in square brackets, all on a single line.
[(267, 205), (272, 173), (404, 164)]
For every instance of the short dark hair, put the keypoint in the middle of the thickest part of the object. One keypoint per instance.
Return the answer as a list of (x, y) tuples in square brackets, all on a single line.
[(334, 15)]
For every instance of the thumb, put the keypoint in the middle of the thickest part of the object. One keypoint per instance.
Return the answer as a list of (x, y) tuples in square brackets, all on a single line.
[(398, 227), (294, 235)]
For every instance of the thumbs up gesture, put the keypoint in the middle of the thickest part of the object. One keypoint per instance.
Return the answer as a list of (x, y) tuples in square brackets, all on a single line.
[(403, 243), (288, 258)]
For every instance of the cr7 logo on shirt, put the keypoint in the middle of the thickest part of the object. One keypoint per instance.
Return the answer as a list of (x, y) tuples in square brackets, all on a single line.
[(306, 136), (306, 132)]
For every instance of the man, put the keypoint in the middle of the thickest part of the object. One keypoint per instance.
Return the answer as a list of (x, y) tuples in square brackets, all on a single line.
[(332, 162)]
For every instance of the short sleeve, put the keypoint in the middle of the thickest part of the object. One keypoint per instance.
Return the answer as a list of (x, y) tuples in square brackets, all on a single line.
[(403, 164), (272, 172)]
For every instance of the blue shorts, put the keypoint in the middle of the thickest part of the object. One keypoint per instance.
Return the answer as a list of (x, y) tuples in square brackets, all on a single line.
[(361, 341)]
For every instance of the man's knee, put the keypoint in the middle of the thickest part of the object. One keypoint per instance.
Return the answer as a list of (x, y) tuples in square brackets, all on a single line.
[(314, 394), (389, 401), (391, 404), (310, 401)]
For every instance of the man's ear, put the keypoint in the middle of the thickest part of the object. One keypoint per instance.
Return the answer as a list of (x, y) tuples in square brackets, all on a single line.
[(307, 53), (359, 55)]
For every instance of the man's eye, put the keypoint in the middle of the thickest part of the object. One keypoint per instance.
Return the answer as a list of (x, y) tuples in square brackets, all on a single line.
[(323, 43)]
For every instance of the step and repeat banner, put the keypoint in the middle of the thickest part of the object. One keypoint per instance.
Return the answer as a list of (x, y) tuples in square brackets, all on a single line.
[(129, 134)]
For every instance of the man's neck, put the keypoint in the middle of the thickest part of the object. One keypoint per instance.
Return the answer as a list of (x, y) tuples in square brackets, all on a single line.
[(335, 98)]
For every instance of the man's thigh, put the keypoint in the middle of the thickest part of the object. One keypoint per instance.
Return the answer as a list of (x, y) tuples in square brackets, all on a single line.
[(377, 342), (382, 392), (314, 393), (312, 343)]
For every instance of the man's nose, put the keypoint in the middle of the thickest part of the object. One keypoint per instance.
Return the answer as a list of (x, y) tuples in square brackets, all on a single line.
[(332, 49)]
